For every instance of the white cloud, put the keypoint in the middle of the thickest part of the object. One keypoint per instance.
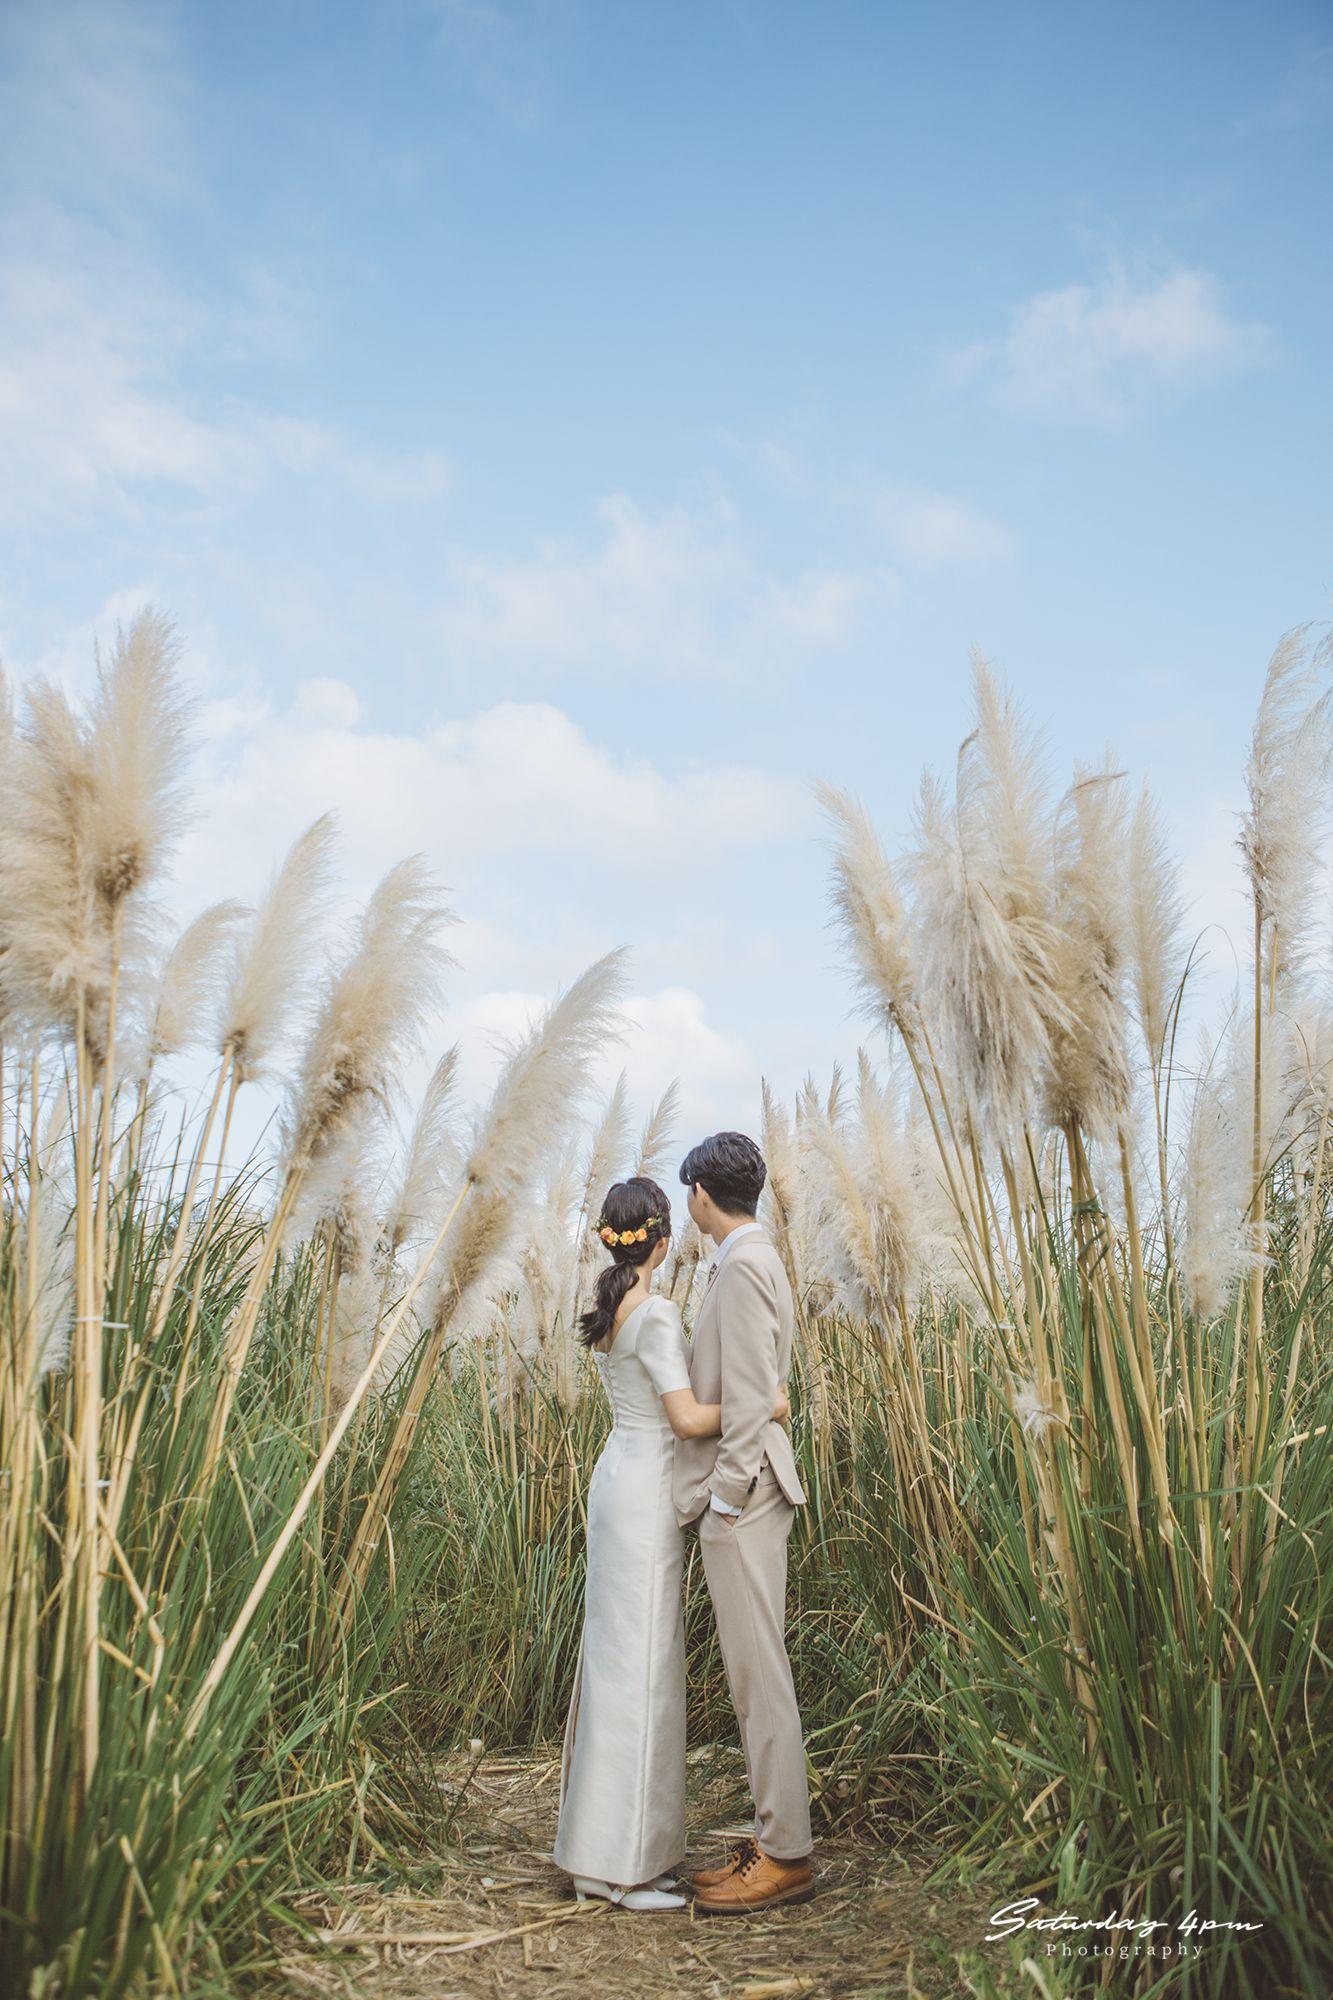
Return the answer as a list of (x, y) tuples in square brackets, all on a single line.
[(97, 343), (484, 1027), (493, 800), (668, 1035), (512, 781), (677, 590), (325, 703), (919, 527), (928, 530), (665, 1036), (93, 348), (1092, 351)]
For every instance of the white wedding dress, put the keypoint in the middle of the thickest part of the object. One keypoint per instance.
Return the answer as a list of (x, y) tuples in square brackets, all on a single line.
[(622, 1776)]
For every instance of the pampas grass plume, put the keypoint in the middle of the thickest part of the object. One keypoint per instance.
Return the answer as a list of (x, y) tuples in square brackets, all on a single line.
[(1156, 954), (57, 943), (273, 961), (1088, 1075), (431, 1160), (369, 1021), (536, 1095), (138, 748), (1286, 783), (1216, 1243), (653, 1156), (184, 1005), (868, 909)]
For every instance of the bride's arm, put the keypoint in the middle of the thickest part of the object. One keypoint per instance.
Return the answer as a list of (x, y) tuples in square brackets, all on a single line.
[(691, 1419), (659, 1347)]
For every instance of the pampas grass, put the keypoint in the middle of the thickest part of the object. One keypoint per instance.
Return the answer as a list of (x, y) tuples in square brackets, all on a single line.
[(1215, 1247), (294, 1471), (57, 941), (274, 962), (346, 1225), (367, 1026), (652, 1160), (536, 1322), (861, 1212), (138, 746), (430, 1160), (184, 1377), (47, 1248), (96, 802), (536, 1315), (603, 1164), (988, 942), (371, 1017), (1089, 1081), (184, 999), (781, 1196), (6, 808), (1129, 1360), (537, 1093), (1157, 962), (869, 910), (1286, 813), (684, 1262)]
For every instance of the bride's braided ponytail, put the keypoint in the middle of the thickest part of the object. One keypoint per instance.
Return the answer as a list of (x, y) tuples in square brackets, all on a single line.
[(634, 1218)]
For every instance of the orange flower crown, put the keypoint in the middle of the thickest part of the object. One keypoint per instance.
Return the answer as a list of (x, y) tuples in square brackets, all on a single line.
[(612, 1237)]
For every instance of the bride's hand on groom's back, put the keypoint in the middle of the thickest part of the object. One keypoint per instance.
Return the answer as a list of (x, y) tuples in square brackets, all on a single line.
[(782, 1407)]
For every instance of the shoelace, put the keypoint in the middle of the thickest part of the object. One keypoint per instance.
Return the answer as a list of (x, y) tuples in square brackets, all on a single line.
[(749, 1856)]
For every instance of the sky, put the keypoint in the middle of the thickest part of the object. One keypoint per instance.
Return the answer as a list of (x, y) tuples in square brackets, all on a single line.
[(561, 431)]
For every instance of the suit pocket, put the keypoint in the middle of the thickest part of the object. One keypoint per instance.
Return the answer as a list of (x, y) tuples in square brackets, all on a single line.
[(714, 1522)]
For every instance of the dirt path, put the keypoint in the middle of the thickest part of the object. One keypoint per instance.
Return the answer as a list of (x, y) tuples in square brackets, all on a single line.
[(494, 1917)]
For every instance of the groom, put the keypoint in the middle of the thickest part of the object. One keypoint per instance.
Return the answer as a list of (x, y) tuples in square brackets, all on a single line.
[(742, 1489)]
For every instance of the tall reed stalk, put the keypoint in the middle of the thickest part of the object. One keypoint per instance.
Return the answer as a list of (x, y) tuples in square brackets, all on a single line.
[(173, 1592)]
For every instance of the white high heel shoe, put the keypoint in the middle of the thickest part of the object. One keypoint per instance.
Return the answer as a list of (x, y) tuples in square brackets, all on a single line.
[(586, 1886)]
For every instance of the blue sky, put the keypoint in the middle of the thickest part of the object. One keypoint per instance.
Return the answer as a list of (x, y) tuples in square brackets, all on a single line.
[(562, 430)]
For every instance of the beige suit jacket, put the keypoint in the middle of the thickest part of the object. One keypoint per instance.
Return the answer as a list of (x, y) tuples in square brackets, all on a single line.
[(740, 1352)]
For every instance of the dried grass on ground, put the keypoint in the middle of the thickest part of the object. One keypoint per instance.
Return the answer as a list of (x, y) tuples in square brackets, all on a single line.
[(496, 1922)]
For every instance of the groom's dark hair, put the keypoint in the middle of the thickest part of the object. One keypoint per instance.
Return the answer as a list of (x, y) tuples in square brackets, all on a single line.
[(730, 1168)]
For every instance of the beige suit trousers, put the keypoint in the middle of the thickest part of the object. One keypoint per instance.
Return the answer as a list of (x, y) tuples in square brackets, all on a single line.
[(745, 1562)]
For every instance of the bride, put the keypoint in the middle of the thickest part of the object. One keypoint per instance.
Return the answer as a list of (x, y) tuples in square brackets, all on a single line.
[(622, 1776)]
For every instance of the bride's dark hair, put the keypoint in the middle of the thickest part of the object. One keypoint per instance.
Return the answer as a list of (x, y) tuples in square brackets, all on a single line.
[(634, 1218)]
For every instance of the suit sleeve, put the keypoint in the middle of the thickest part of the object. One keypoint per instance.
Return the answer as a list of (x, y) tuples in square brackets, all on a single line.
[(747, 1315)]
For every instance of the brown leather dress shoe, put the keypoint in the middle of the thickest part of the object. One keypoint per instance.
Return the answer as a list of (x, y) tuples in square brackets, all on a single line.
[(708, 1878), (760, 1882)]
